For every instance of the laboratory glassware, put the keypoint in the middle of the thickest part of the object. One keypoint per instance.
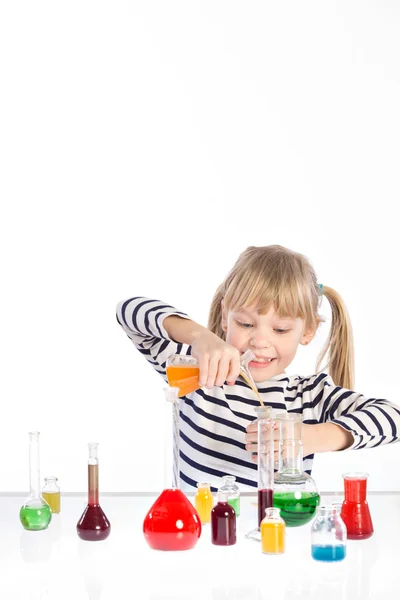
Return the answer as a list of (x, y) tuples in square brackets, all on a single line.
[(295, 492), (232, 489), (51, 493), (203, 502), (93, 526), (328, 535), (172, 523), (223, 522), (355, 509), (265, 461), (183, 373), (35, 514), (273, 529)]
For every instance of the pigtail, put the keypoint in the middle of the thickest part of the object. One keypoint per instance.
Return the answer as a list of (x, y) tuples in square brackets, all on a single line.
[(340, 343), (215, 314)]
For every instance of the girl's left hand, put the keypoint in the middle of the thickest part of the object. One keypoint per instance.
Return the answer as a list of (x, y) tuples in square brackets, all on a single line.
[(251, 439)]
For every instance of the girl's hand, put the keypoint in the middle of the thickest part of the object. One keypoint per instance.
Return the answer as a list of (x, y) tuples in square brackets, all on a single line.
[(218, 361)]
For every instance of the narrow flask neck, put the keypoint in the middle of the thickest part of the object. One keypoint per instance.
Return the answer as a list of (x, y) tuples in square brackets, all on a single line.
[(291, 457), (355, 490), (93, 485), (34, 465)]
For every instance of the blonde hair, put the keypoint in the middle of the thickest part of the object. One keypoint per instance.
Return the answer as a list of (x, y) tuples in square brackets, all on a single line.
[(276, 276)]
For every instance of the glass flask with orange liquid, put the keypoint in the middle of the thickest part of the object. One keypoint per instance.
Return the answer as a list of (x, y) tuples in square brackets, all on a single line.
[(273, 532), (203, 502), (183, 372)]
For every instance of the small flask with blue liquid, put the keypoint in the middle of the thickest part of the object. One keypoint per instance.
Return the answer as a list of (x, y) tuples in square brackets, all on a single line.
[(328, 535)]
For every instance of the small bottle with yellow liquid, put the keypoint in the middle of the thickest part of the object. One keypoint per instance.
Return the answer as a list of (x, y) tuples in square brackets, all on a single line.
[(203, 502), (51, 493), (273, 532)]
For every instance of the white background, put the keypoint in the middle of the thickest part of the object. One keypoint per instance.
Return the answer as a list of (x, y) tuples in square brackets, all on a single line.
[(143, 146)]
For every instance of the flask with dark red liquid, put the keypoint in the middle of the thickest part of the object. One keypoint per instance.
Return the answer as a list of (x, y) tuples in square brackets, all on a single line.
[(93, 525), (172, 523), (223, 522), (355, 510)]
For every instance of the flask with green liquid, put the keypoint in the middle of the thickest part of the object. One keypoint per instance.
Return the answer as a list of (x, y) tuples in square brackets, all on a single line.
[(295, 492), (35, 513)]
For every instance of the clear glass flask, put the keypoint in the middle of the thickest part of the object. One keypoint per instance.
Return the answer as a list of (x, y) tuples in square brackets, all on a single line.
[(265, 468), (183, 372), (51, 493), (35, 513), (93, 526), (172, 523), (223, 522), (203, 502), (229, 486), (273, 530), (328, 535), (295, 492), (355, 510)]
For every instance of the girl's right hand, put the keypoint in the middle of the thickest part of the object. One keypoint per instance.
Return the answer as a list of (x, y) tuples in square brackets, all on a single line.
[(218, 361)]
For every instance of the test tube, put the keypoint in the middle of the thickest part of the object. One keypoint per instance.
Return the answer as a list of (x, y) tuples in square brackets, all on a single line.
[(265, 442)]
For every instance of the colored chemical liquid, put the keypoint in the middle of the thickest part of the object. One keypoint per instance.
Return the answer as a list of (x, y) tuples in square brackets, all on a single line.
[(53, 500), (223, 524), (272, 537), (328, 553), (235, 503), (184, 377), (203, 502), (35, 518), (355, 510), (265, 500), (172, 523), (93, 525), (297, 508)]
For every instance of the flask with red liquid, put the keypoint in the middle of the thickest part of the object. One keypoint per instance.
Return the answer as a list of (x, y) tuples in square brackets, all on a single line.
[(172, 523), (223, 522), (93, 526), (355, 510)]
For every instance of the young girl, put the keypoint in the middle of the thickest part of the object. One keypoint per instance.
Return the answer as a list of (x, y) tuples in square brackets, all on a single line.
[(268, 303)]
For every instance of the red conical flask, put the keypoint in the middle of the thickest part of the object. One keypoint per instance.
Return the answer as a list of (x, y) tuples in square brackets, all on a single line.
[(93, 525), (172, 523), (355, 510)]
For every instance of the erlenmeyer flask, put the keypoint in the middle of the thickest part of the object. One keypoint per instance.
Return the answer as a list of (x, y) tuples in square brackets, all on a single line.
[(93, 525), (355, 510), (295, 492), (183, 373), (172, 522), (35, 513)]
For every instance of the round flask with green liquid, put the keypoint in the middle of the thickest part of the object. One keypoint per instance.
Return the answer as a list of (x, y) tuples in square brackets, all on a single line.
[(295, 492)]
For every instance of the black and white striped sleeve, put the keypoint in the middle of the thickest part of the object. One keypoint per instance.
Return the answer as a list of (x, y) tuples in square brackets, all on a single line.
[(142, 320), (372, 421)]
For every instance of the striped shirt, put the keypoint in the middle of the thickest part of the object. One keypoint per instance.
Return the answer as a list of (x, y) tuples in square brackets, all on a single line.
[(213, 421)]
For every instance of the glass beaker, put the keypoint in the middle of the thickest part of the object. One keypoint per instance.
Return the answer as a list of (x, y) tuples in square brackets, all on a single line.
[(295, 492), (172, 523), (93, 526), (35, 513), (355, 510), (265, 468), (51, 493), (223, 522), (273, 529), (203, 502), (328, 535), (183, 373), (231, 488)]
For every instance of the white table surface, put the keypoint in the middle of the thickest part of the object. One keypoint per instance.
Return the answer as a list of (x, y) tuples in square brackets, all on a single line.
[(56, 564)]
